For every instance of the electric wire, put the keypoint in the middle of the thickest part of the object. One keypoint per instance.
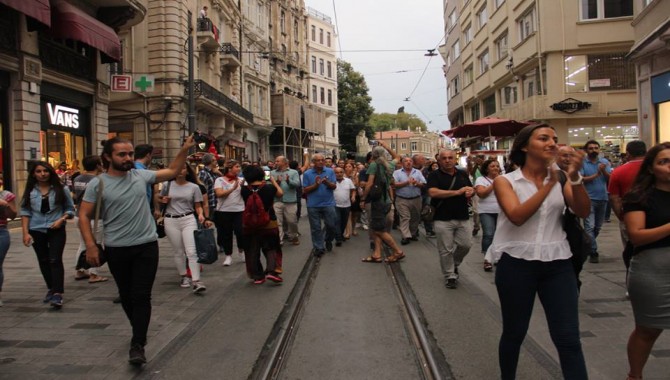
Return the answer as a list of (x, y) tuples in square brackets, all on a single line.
[(337, 31)]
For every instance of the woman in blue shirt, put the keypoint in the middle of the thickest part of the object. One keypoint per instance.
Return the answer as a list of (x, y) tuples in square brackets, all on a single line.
[(45, 207)]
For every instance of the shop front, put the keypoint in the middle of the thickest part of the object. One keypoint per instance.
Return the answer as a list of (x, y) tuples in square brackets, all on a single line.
[(612, 138), (65, 126), (234, 149), (660, 97)]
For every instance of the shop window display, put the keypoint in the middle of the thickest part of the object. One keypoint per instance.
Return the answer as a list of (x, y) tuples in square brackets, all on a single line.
[(612, 138)]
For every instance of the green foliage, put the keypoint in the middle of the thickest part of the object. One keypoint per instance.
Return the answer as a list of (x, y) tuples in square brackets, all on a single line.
[(353, 105), (402, 121)]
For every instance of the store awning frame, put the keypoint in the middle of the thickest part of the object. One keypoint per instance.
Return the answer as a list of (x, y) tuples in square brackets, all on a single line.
[(71, 22), (40, 10)]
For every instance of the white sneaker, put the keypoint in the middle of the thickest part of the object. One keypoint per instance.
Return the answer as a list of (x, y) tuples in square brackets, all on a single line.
[(240, 254), (228, 260), (185, 282), (198, 287)]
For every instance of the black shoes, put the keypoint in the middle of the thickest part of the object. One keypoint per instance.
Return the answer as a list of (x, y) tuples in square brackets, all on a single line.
[(329, 246), (451, 283), (338, 243), (475, 231), (136, 354), (317, 252), (404, 241)]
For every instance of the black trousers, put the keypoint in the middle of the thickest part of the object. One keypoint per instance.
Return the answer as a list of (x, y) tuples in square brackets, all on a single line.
[(49, 248), (134, 270), (228, 223)]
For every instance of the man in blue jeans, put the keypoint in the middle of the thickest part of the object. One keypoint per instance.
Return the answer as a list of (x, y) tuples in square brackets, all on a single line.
[(318, 183), (596, 172)]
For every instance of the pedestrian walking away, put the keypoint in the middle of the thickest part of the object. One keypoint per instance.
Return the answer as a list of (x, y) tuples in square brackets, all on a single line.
[(45, 208), (130, 239), (532, 251), (7, 211), (646, 210)]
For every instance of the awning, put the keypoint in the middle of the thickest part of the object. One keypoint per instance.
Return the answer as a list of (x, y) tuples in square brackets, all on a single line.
[(71, 22), (37, 9)]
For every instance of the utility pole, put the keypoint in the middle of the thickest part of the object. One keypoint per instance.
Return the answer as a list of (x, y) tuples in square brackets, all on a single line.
[(191, 83)]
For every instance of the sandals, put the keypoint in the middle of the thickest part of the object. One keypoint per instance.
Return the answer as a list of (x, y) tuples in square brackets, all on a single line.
[(95, 278), (81, 275), (395, 257), (371, 259)]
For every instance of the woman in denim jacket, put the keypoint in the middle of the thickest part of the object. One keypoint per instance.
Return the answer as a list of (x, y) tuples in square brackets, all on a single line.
[(45, 207)]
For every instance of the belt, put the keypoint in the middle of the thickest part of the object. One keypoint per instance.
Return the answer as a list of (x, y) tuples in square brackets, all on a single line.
[(418, 196), (178, 215)]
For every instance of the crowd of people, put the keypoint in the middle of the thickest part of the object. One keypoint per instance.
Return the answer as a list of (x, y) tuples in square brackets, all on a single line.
[(517, 206)]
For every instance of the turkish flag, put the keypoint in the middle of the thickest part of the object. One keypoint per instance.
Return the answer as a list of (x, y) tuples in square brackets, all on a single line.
[(212, 150)]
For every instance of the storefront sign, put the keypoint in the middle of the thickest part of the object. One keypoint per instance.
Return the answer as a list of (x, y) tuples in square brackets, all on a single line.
[(570, 105), (144, 83), (63, 116)]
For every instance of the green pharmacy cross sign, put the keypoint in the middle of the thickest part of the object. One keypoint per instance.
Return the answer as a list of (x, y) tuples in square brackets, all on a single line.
[(145, 83)]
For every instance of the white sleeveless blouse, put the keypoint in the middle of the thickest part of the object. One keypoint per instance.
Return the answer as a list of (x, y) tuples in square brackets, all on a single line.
[(541, 237)]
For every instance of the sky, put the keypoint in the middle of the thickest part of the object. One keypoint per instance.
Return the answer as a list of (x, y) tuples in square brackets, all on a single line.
[(411, 27)]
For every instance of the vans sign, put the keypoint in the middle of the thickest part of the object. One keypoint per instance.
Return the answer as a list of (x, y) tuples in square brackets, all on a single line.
[(63, 116)]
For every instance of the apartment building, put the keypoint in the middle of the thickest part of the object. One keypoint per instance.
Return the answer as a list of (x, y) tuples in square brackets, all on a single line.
[(651, 55), (409, 143), (54, 79), (562, 62), (322, 83)]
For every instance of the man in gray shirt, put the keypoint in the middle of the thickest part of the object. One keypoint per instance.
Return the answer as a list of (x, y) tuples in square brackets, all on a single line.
[(130, 239)]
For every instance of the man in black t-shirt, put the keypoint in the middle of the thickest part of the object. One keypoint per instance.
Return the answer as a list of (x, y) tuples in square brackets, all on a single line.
[(449, 189)]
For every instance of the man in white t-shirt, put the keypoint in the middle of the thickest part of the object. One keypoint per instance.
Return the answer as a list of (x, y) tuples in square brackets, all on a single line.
[(344, 194)]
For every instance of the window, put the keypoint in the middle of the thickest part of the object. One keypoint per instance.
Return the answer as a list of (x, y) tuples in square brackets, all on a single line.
[(467, 35), (314, 64), (489, 105), (392, 145), (451, 21), (474, 112), (314, 97), (295, 30), (329, 67), (330, 97), (412, 146), (323, 95), (530, 85), (321, 66), (455, 86), (484, 62), (313, 33), (261, 100), (602, 72), (282, 22), (501, 46), (403, 145), (526, 24), (467, 76), (498, 3), (482, 17), (601, 9), (321, 36), (508, 95), (456, 50), (332, 129), (250, 96), (449, 92), (328, 39)]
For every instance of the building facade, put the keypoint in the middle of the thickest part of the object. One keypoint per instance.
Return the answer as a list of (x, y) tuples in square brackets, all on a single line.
[(651, 54), (562, 62), (408, 143), (54, 79), (322, 83)]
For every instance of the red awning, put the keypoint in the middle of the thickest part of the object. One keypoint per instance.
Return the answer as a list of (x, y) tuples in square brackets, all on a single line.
[(71, 22), (37, 9)]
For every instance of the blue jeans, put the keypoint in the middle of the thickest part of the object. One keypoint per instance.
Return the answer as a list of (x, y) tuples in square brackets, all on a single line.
[(594, 222), (4, 247), (322, 234), (518, 281), (488, 222)]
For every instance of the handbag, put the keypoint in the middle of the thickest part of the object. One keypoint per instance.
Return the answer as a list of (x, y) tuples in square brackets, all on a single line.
[(377, 190), (160, 222), (579, 240), (205, 245), (102, 257)]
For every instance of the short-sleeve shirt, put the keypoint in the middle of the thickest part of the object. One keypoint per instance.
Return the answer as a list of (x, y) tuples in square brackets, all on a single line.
[(597, 188), (489, 204), (452, 208), (342, 193), (182, 198), (7, 197), (400, 175), (656, 214), (79, 186), (125, 211), (233, 202), (322, 196), (622, 178), (267, 194)]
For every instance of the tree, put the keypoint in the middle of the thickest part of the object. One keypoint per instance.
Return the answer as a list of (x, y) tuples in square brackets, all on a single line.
[(353, 105), (403, 121)]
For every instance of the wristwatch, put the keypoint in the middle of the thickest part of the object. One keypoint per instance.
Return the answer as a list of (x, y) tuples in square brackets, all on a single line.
[(579, 181)]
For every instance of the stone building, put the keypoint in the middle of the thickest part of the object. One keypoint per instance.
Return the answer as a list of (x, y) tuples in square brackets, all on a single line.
[(408, 143)]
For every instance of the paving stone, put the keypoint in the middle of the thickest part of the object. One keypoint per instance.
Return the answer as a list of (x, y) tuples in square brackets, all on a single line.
[(39, 343), (606, 315), (67, 369), (661, 353), (9, 343)]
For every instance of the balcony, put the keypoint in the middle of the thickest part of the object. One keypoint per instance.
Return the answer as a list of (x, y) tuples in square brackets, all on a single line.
[(230, 57), (201, 88), (120, 13), (208, 34)]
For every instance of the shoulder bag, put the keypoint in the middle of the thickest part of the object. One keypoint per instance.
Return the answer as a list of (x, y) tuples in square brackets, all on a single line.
[(81, 261), (428, 211), (160, 222), (579, 240), (205, 245), (378, 187)]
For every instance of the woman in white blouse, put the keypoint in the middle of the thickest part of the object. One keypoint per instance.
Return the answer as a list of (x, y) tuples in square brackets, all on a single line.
[(488, 208), (532, 251)]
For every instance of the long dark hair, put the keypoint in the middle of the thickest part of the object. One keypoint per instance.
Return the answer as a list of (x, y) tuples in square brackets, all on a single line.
[(645, 181), (54, 181), (517, 155)]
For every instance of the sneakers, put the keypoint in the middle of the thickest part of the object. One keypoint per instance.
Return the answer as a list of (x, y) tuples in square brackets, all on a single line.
[(415, 237), (47, 297), (451, 283), (259, 281), (279, 270), (56, 301), (404, 241), (274, 278), (198, 287), (185, 282), (240, 255), (228, 260), (317, 252), (136, 354)]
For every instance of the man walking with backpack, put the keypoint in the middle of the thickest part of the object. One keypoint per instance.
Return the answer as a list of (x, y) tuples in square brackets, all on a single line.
[(319, 183)]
